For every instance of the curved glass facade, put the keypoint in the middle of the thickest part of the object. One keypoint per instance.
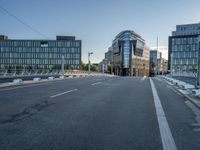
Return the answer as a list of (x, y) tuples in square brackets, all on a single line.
[(126, 52), (130, 54)]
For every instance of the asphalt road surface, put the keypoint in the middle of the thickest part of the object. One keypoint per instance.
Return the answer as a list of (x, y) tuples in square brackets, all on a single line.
[(97, 113)]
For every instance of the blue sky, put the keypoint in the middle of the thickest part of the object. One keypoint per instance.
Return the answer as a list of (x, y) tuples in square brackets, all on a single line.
[(97, 22)]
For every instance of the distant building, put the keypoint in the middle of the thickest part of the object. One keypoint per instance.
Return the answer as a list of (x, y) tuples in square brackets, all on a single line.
[(106, 64), (109, 60), (155, 62), (158, 65), (109, 54), (103, 66), (39, 55), (183, 50), (164, 66), (130, 55)]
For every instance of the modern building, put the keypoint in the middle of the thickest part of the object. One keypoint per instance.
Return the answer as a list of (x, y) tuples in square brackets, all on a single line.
[(103, 66), (130, 54), (158, 65), (106, 65), (109, 54), (164, 66), (22, 55), (109, 60), (183, 50), (155, 62)]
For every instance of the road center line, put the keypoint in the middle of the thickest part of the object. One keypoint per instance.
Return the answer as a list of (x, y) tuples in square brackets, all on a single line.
[(165, 132), (59, 94), (96, 83)]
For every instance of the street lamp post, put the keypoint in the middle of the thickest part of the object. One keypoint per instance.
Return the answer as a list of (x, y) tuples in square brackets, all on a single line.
[(112, 63), (171, 65), (198, 66), (62, 67), (90, 53)]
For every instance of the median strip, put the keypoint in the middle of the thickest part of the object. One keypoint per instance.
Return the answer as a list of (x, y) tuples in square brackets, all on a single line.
[(59, 94), (165, 132)]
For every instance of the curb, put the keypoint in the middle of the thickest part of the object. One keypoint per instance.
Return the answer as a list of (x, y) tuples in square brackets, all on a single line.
[(188, 96), (28, 82)]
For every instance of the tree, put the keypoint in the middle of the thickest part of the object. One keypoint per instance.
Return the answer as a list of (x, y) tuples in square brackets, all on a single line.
[(84, 66), (95, 68)]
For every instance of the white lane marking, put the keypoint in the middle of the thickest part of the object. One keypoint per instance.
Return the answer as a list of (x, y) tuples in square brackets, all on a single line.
[(96, 83), (59, 94), (165, 132)]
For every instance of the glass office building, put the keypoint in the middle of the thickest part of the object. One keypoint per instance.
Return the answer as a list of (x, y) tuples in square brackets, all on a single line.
[(130, 54), (18, 55), (155, 62), (183, 50)]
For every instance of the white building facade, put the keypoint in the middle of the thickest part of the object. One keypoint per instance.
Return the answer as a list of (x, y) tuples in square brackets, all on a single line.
[(183, 50)]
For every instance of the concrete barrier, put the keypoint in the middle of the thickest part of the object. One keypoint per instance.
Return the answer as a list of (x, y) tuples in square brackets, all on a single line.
[(36, 79), (70, 76), (180, 84), (196, 92), (188, 86), (17, 81), (62, 77), (51, 78)]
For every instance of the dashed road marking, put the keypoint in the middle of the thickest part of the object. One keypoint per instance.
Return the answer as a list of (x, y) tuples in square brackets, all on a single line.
[(96, 83), (165, 132), (59, 94)]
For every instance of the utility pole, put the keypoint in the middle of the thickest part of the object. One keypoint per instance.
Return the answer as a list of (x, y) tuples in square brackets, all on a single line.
[(103, 68), (63, 65), (198, 66), (112, 62), (15, 70), (157, 57), (163, 62), (90, 53)]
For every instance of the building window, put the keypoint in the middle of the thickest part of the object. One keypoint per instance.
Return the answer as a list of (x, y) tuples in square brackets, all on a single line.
[(44, 44)]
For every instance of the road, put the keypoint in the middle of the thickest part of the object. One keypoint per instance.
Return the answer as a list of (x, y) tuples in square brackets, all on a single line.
[(97, 113)]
